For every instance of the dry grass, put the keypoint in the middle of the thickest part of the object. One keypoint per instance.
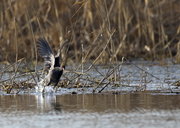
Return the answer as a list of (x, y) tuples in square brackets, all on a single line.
[(103, 29)]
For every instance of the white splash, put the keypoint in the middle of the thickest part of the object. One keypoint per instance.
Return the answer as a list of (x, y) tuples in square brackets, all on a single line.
[(43, 88)]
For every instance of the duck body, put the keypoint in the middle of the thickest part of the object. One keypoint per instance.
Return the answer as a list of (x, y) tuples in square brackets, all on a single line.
[(55, 76), (51, 64)]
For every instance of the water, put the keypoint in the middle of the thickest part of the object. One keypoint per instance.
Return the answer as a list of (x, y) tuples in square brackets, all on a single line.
[(132, 110), (142, 96)]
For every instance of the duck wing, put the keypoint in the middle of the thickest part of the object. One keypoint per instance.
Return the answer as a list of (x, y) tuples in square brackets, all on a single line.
[(45, 52)]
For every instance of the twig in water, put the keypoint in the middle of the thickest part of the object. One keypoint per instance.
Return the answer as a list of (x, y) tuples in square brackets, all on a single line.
[(16, 69), (149, 74), (113, 71), (107, 75), (104, 87)]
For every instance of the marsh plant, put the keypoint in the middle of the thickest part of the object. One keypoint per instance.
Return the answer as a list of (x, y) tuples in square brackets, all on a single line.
[(107, 29)]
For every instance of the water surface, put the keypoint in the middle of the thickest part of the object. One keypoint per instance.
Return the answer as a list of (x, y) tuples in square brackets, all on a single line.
[(132, 110), (143, 95)]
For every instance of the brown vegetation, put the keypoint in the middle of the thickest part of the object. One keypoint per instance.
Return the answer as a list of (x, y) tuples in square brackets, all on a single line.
[(104, 30)]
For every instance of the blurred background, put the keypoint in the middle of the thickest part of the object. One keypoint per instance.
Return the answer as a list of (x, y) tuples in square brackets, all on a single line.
[(88, 30)]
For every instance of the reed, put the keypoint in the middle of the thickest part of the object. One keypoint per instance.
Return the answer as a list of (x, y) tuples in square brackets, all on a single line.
[(107, 29)]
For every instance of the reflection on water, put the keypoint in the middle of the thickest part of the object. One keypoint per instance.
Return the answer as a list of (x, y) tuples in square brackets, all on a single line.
[(126, 110), (89, 102)]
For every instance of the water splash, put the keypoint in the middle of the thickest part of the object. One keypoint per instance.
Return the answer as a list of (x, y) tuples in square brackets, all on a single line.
[(42, 87)]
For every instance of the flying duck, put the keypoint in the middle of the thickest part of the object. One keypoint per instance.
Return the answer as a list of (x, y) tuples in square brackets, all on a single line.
[(51, 63)]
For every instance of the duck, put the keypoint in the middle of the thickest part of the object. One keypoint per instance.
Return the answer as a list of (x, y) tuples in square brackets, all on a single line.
[(51, 63)]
